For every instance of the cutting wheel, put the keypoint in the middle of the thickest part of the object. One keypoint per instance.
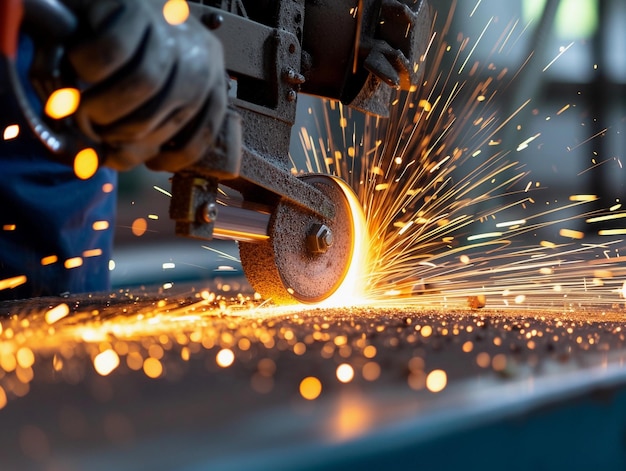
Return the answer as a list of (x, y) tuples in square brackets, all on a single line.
[(284, 269)]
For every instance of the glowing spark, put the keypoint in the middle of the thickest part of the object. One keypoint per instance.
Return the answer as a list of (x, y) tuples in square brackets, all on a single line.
[(475, 44), (345, 373), (11, 132), (86, 163), (518, 222), (49, 260), (107, 188), (161, 190), (139, 227), (566, 107), (175, 12), (612, 232), (57, 313), (562, 51), (62, 103), (9, 227), (74, 262), (310, 388), (608, 217), (524, 145), (152, 368), (100, 225), (583, 198), (425, 105), (571, 234), (436, 381), (25, 357), (106, 362), (222, 254), (486, 235), (92, 253), (475, 8), (225, 357)]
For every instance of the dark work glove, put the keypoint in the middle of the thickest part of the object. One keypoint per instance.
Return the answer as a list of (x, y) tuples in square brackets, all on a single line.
[(402, 36), (156, 93)]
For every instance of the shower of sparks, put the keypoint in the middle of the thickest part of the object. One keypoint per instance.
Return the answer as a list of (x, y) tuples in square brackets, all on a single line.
[(436, 180)]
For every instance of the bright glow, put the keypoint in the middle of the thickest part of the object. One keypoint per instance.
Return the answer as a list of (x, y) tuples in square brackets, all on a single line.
[(310, 388), (225, 357), (517, 222), (13, 282), (152, 368), (100, 225), (436, 381), (92, 253), (352, 290), (62, 103), (73, 262), (49, 260), (86, 163), (486, 235), (345, 373), (612, 232), (176, 12), (57, 313), (583, 198), (105, 362), (139, 227), (571, 233), (25, 357), (11, 132)]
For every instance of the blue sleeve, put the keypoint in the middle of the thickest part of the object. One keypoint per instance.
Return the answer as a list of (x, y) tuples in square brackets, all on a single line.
[(47, 215)]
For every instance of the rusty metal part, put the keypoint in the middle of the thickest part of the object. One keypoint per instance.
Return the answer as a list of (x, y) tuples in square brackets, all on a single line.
[(274, 49), (283, 268)]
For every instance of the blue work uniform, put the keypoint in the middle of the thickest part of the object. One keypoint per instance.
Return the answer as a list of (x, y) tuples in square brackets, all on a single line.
[(47, 214)]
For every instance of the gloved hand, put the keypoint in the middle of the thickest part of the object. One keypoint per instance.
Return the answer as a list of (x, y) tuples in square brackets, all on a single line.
[(403, 31), (156, 93)]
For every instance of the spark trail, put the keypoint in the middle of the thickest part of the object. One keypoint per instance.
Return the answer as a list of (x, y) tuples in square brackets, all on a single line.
[(439, 183)]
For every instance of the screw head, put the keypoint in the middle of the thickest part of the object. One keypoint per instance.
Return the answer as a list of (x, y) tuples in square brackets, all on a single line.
[(208, 213)]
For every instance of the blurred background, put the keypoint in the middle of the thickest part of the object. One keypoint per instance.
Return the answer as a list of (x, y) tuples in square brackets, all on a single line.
[(573, 54)]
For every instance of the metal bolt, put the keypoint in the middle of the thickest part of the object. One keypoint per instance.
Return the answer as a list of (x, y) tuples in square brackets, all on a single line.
[(320, 239), (291, 95), (208, 213), (290, 75), (213, 20)]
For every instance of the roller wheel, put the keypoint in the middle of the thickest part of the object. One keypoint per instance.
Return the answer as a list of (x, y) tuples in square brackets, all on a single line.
[(285, 268)]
